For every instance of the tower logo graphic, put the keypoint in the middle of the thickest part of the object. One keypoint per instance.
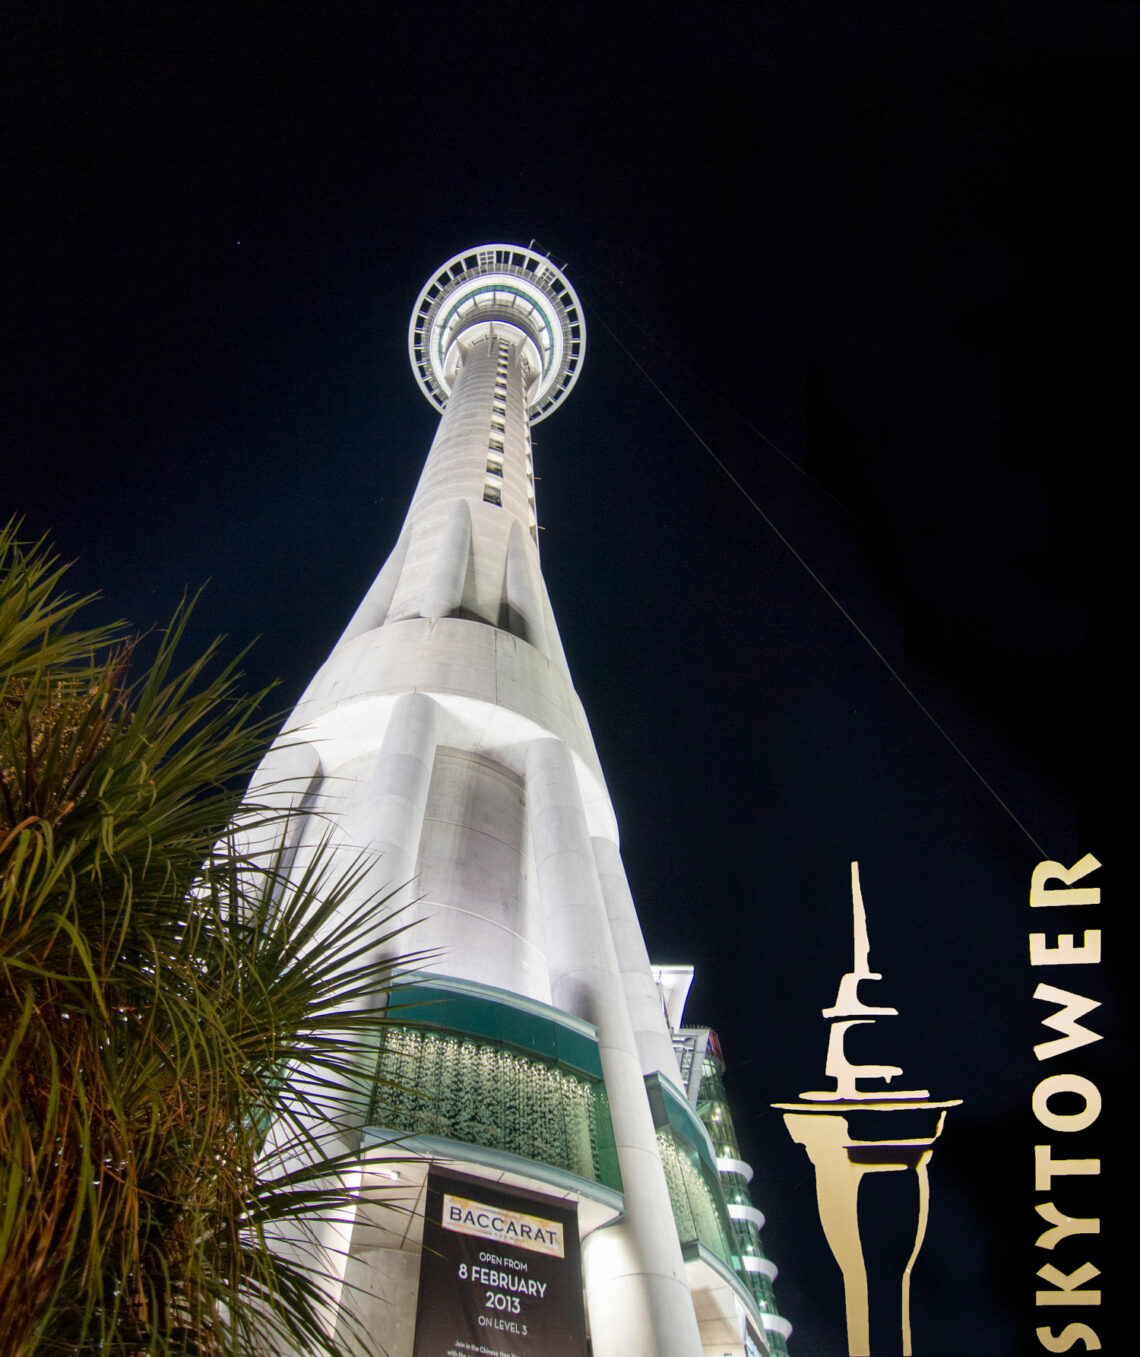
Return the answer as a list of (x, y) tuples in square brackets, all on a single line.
[(820, 1123)]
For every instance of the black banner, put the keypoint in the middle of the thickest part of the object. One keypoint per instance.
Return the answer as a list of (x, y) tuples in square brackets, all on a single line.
[(501, 1274)]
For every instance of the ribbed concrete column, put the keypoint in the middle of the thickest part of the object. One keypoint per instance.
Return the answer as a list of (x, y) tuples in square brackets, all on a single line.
[(553, 639), (654, 1044), (389, 818), (444, 592), (522, 597), (374, 606), (638, 1299), (387, 822), (283, 779), (273, 818)]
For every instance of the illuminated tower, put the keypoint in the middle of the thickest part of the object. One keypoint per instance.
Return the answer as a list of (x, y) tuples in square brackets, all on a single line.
[(443, 744)]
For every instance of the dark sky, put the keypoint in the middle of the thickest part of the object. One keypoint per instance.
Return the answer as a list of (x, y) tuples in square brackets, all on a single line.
[(876, 256)]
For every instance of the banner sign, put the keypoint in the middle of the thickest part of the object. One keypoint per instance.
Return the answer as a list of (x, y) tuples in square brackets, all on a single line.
[(501, 1274)]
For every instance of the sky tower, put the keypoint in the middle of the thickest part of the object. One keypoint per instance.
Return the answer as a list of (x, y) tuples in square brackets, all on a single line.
[(561, 1154)]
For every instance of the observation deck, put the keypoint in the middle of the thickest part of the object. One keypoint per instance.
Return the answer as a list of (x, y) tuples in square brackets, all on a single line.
[(510, 288)]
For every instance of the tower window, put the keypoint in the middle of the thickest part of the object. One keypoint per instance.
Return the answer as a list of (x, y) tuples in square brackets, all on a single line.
[(494, 468), (493, 494)]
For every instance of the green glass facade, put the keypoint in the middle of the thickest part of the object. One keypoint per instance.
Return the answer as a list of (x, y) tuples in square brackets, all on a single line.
[(485, 1072), (695, 1197)]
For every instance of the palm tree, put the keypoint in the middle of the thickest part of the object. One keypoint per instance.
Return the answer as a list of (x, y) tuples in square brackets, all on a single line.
[(163, 1002)]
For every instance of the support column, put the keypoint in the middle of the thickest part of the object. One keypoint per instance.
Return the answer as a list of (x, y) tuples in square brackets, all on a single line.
[(522, 597), (373, 609), (654, 1044), (389, 818), (638, 1299), (274, 815), (285, 778), (444, 592), (387, 824)]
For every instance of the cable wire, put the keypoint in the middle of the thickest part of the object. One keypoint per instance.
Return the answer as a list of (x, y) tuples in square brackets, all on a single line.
[(819, 582)]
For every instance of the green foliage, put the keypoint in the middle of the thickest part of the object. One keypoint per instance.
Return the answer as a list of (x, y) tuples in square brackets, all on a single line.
[(163, 1002)]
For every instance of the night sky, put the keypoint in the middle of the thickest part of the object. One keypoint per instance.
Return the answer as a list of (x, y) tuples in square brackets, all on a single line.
[(875, 256)]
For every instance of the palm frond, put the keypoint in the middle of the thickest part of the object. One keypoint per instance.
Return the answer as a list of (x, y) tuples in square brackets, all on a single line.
[(186, 1027)]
